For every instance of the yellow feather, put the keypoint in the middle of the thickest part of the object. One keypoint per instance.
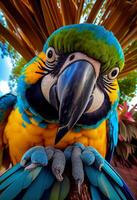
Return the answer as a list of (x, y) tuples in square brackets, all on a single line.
[(31, 76), (113, 94), (20, 139)]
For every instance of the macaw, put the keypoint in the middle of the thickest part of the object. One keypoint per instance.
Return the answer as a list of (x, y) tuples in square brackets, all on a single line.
[(64, 116)]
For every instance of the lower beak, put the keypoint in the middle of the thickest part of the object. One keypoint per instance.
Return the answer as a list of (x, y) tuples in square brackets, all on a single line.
[(74, 89)]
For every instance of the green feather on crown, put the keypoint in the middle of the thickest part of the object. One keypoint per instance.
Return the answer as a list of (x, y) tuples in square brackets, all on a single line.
[(93, 40)]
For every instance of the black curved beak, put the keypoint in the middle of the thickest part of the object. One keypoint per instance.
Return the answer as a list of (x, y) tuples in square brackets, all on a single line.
[(74, 89)]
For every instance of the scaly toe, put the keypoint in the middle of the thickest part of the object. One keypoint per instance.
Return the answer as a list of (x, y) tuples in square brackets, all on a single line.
[(88, 157), (77, 165), (58, 164)]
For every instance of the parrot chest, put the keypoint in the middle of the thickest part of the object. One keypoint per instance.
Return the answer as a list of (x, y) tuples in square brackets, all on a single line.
[(20, 138)]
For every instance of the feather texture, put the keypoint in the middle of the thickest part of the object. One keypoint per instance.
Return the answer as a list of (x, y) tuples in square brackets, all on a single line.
[(39, 183), (107, 183)]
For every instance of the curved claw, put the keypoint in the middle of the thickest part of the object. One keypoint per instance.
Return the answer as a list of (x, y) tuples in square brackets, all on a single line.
[(36, 156), (58, 164), (77, 166), (79, 186), (79, 155), (31, 166), (28, 155), (99, 160)]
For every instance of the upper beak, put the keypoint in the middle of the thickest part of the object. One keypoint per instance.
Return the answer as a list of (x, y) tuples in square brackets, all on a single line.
[(74, 90)]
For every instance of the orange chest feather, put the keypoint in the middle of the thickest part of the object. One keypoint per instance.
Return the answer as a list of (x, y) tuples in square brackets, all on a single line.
[(20, 138)]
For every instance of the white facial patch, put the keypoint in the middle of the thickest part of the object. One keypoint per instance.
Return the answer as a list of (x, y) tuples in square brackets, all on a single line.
[(98, 99), (81, 56), (46, 84), (48, 81)]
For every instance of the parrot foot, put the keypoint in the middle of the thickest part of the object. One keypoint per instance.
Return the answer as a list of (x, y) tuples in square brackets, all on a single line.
[(79, 155), (40, 156)]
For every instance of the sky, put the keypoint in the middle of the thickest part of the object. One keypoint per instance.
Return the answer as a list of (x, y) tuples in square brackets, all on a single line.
[(5, 70)]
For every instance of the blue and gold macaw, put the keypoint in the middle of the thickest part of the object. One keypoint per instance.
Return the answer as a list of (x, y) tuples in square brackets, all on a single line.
[(65, 112)]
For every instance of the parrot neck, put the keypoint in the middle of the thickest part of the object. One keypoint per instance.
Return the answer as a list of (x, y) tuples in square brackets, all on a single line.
[(30, 116), (27, 111)]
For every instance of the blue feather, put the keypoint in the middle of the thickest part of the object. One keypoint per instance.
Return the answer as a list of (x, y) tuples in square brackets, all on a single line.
[(46, 195), (99, 180), (95, 194), (113, 131), (37, 188), (112, 173), (21, 182), (119, 192), (7, 102), (108, 182), (10, 172), (10, 180)]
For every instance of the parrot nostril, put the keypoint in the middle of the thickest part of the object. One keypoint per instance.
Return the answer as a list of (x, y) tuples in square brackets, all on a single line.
[(72, 57)]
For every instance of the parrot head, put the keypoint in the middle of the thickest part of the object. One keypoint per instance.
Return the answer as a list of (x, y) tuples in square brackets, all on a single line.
[(73, 80)]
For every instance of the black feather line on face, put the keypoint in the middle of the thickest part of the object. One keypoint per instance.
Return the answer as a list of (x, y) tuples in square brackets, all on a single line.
[(61, 60), (52, 69), (104, 84), (45, 70), (54, 61), (109, 85)]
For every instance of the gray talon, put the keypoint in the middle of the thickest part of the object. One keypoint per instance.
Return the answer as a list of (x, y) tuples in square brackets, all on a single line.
[(58, 164), (79, 186), (77, 166), (58, 175), (50, 152), (31, 166)]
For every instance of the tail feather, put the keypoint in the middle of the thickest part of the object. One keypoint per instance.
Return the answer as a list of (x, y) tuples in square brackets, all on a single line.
[(10, 172), (39, 185), (10, 180), (54, 195), (107, 183), (19, 180), (95, 193)]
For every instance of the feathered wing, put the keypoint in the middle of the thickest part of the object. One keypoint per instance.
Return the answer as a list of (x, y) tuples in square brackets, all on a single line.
[(39, 183), (112, 134), (7, 103), (106, 183)]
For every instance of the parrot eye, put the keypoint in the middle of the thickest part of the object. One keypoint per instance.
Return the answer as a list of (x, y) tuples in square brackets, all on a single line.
[(51, 55), (113, 73)]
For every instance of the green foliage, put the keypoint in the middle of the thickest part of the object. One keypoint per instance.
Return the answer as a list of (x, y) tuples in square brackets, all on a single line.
[(125, 152), (128, 87), (16, 71), (87, 7)]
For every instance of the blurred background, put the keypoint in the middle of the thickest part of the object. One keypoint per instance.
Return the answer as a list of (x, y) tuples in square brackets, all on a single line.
[(26, 24)]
